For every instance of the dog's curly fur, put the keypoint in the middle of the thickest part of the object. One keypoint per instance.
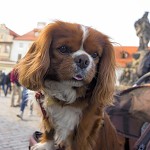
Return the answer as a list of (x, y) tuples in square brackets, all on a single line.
[(74, 65)]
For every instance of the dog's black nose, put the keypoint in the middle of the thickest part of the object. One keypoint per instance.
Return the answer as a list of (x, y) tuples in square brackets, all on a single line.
[(82, 61)]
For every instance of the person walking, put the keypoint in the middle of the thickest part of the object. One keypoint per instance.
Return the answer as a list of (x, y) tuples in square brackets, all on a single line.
[(26, 96), (23, 102), (8, 84), (16, 88), (2, 81)]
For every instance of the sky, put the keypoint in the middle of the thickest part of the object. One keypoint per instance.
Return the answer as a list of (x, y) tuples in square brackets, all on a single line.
[(114, 18)]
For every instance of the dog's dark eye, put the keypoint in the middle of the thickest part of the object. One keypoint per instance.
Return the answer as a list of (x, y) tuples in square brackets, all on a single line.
[(64, 49), (94, 55)]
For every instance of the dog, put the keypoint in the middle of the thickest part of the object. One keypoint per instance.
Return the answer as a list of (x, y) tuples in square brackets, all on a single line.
[(74, 66)]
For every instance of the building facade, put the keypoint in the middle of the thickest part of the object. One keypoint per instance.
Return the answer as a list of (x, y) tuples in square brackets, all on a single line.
[(13, 46), (6, 42), (21, 44)]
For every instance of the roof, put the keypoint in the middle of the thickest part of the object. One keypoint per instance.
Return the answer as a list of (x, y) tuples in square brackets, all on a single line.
[(121, 50), (30, 36), (14, 34)]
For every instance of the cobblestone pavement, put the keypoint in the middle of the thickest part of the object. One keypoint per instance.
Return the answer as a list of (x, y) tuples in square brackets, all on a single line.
[(14, 132)]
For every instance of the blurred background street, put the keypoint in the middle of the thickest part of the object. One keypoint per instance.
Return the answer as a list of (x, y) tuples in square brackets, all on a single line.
[(14, 132)]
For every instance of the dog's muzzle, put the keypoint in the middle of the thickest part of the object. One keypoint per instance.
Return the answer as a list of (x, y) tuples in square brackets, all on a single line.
[(82, 63)]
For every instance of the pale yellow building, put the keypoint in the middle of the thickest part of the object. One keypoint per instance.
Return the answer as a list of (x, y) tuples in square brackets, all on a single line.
[(6, 43)]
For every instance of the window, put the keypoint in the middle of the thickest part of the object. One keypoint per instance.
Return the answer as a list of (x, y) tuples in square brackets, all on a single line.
[(6, 49), (1, 37), (36, 34), (19, 56), (20, 45), (124, 54)]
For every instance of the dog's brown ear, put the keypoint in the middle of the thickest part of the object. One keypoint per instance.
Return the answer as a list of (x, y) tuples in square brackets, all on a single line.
[(105, 84), (32, 68)]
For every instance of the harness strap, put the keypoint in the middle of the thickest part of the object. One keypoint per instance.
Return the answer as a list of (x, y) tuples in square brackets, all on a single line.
[(39, 96)]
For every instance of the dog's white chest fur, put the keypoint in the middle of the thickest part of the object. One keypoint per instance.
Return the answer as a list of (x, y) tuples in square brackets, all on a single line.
[(64, 119)]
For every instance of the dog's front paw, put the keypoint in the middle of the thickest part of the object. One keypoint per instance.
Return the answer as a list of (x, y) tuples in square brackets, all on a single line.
[(44, 146)]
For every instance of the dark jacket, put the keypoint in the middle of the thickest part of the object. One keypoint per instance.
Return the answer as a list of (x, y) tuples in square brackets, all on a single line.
[(2, 78), (7, 81)]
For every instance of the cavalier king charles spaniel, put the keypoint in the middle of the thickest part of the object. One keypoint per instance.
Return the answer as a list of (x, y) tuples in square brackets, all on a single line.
[(74, 67)]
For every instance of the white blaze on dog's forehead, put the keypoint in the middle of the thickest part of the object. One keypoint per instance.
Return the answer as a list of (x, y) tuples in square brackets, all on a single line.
[(85, 35), (80, 52)]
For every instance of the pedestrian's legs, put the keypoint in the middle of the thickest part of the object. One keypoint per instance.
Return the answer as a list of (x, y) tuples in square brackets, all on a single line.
[(31, 108), (19, 95), (6, 90), (13, 95), (3, 88), (8, 87), (31, 97), (23, 103)]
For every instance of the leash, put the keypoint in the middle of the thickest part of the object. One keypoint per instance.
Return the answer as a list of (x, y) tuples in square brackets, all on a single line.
[(39, 96)]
